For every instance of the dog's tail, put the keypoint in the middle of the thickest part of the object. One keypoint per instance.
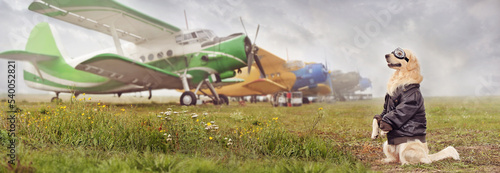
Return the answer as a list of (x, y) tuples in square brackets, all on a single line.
[(448, 152)]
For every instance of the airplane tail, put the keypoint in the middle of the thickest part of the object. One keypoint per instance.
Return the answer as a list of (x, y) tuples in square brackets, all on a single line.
[(40, 48), (42, 41), (42, 51)]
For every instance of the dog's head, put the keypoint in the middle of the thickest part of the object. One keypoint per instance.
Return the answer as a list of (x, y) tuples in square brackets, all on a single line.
[(407, 69), (402, 59)]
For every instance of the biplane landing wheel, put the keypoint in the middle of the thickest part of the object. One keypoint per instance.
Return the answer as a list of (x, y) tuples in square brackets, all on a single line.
[(188, 98), (223, 100), (55, 99)]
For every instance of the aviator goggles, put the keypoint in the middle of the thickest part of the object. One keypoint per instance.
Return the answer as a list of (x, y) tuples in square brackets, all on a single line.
[(400, 54)]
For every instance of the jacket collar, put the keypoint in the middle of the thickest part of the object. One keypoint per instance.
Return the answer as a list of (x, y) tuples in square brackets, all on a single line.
[(405, 88)]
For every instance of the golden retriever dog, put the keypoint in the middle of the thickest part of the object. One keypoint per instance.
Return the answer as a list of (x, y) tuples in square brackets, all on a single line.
[(403, 118)]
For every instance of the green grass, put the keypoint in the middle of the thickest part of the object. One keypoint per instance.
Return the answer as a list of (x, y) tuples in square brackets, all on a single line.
[(86, 136)]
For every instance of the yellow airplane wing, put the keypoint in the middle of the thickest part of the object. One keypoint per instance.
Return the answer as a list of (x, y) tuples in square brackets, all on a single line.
[(265, 86), (321, 89), (270, 62)]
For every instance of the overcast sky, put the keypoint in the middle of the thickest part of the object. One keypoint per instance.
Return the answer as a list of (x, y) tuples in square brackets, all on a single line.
[(457, 42)]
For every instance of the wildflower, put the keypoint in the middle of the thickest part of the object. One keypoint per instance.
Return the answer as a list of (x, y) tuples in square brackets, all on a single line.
[(209, 124), (320, 108), (205, 114), (88, 118), (197, 120), (83, 114), (89, 98), (123, 110), (98, 104), (83, 94), (103, 106), (92, 122), (210, 138), (73, 96), (194, 115)]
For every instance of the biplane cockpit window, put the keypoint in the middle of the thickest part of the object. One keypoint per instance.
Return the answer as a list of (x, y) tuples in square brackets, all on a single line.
[(196, 36)]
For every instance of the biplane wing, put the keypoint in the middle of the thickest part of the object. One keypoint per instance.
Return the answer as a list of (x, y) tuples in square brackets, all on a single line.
[(105, 16), (128, 71)]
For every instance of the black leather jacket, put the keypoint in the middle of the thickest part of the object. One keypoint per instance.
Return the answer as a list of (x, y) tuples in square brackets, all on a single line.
[(405, 112)]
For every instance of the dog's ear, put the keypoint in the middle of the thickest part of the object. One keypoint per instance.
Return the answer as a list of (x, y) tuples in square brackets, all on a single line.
[(412, 61)]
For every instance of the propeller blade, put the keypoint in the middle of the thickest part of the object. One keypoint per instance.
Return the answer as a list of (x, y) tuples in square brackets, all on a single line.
[(250, 60), (330, 84), (261, 69), (256, 33), (243, 26)]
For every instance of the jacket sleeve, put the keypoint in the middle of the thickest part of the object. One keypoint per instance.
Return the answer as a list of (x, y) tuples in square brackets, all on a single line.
[(408, 106), (379, 116), (385, 105)]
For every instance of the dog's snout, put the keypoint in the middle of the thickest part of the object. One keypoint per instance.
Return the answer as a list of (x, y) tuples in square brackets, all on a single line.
[(387, 56)]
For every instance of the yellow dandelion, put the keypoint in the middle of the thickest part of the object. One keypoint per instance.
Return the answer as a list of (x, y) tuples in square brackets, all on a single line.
[(92, 122), (321, 108), (83, 114), (98, 104), (83, 94), (210, 138), (103, 106), (123, 110), (197, 120), (89, 98), (208, 124), (88, 118), (74, 97)]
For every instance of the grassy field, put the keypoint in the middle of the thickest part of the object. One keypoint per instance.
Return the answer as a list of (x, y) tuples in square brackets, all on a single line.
[(85, 135)]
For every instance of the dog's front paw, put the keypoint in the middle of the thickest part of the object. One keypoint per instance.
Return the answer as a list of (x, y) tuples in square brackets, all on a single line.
[(375, 130)]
